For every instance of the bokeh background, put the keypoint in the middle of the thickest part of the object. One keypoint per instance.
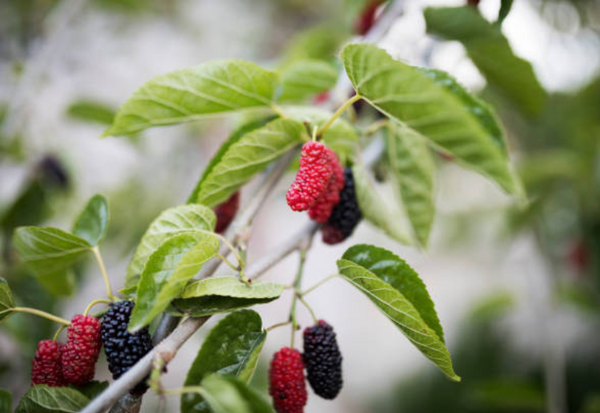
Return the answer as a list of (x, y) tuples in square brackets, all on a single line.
[(516, 286)]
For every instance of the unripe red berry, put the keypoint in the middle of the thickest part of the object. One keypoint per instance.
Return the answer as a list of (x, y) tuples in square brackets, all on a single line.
[(312, 177), (46, 366), (286, 381), (226, 211), (80, 354), (321, 209)]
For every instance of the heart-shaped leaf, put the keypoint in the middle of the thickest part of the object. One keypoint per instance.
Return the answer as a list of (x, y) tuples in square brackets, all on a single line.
[(413, 168), (5, 401), (170, 222), (231, 348), (92, 222), (6, 299), (167, 271), (230, 395), (189, 94), (44, 399), (399, 293), (412, 97), (305, 78), (248, 156), (375, 209), (223, 294)]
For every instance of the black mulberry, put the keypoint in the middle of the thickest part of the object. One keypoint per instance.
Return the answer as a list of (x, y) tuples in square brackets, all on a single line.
[(345, 215), (323, 360)]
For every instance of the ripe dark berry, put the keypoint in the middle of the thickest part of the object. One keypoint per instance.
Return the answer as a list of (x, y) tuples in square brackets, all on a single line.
[(226, 211), (286, 381), (345, 215), (122, 348), (321, 209), (46, 366), (312, 177), (80, 354), (323, 360)]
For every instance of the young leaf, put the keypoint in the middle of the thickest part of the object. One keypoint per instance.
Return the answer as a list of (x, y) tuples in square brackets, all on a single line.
[(409, 96), (231, 348), (44, 399), (170, 222), (177, 260), (223, 294), (374, 208), (5, 401), (341, 135), (413, 169), (248, 156), (48, 250), (491, 53), (398, 292), (235, 136), (6, 299), (92, 222), (91, 111), (505, 6), (305, 78), (230, 395), (189, 94)]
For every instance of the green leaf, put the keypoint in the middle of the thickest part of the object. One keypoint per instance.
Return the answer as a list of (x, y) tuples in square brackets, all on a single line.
[(398, 292), (50, 252), (223, 294), (413, 168), (6, 299), (44, 399), (231, 348), (320, 43), (230, 395), (505, 6), (91, 111), (167, 271), (92, 389), (374, 207), (409, 96), (235, 136), (5, 401), (305, 78), (491, 53), (92, 222), (248, 156), (185, 95), (169, 222), (341, 135)]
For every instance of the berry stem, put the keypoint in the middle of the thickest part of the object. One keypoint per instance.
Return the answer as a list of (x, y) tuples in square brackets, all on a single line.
[(239, 259), (297, 284), (274, 326), (308, 307), (338, 113), (317, 285), (93, 303), (60, 329), (109, 293), (42, 314), (229, 264), (183, 390), (375, 126)]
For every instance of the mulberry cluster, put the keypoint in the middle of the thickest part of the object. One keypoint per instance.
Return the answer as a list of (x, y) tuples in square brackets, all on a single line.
[(46, 366), (321, 209), (286, 381), (345, 215), (80, 354), (323, 360), (123, 349), (226, 211), (312, 178)]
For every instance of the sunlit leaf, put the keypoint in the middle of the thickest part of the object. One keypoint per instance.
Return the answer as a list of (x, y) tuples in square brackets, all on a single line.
[(305, 78), (231, 395), (189, 94), (92, 222), (6, 299)]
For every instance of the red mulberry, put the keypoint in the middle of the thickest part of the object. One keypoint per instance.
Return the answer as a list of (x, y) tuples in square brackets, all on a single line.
[(312, 177), (286, 381), (323, 360), (345, 215), (80, 354), (321, 209), (46, 365), (226, 211)]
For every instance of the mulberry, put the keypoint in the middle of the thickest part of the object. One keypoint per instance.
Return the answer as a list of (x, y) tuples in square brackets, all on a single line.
[(286, 381), (345, 215), (226, 211), (46, 366), (321, 209), (80, 354), (312, 177), (323, 360), (123, 349)]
